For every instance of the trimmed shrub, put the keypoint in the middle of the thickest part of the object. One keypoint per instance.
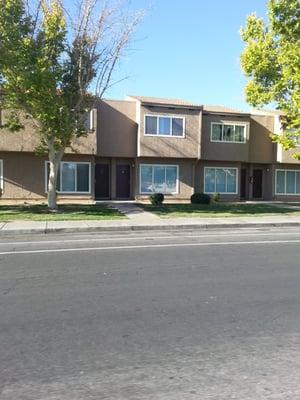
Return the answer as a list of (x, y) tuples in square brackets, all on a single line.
[(157, 199), (200, 198), (216, 197)]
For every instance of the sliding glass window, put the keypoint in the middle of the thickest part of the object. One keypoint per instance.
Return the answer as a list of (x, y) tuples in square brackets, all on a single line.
[(164, 126), (287, 182), (220, 180), (229, 133), (158, 179), (72, 177)]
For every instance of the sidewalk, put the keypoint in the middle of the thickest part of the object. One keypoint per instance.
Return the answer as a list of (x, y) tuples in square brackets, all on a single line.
[(146, 222)]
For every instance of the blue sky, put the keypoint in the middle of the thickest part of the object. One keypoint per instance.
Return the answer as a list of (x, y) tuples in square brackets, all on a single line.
[(188, 49)]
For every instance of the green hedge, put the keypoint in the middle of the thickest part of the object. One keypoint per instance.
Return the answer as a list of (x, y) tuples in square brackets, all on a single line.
[(200, 198), (157, 199)]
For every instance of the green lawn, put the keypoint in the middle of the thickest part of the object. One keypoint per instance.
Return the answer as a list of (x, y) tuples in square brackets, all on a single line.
[(68, 212), (217, 210)]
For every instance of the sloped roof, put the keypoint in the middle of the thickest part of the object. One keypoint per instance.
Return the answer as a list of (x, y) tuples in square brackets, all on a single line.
[(165, 102), (264, 111), (222, 109), (186, 104)]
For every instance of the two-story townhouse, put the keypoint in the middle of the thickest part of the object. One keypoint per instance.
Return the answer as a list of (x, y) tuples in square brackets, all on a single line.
[(143, 145), (168, 146), (237, 154), (98, 166)]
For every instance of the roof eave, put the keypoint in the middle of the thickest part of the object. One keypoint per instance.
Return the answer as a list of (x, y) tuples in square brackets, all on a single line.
[(165, 105), (241, 114)]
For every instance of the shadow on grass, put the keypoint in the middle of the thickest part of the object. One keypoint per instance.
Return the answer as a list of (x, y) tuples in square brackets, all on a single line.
[(66, 211), (217, 209)]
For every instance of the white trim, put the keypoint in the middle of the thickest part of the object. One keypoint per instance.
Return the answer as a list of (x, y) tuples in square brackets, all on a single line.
[(228, 123), (92, 119), (278, 130), (1, 176), (60, 169), (222, 168), (138, 121), (159, 165), (285, 171), (157, 116)]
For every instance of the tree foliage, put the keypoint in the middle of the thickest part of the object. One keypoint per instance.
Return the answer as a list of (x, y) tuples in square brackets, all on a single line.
[(271, 59), (53, 64)]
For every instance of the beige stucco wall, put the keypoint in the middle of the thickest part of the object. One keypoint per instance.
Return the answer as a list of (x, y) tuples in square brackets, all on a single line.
[(223, 151), (27, 139), (152, 146), (117, 129), (24, 175), (287, 156), (261, 147), (186, 176)]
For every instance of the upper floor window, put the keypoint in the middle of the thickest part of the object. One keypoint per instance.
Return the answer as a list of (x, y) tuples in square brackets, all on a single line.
[(164, 126), (229, 133), (296, 140)]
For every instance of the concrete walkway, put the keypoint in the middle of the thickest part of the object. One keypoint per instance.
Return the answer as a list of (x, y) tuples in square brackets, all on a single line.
[(148, 222), (134, 213)]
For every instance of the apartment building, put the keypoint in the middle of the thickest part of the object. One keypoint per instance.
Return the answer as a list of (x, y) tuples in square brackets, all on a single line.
[(143, 145)]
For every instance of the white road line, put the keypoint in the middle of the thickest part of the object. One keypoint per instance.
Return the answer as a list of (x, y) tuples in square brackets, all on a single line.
[(111, 239), (151, 246), (87, 240)]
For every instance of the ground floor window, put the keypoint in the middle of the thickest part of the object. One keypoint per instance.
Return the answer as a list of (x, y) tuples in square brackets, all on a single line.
[(1, 176), (287, 181), (72, 177), (220, 180), (158, 179)]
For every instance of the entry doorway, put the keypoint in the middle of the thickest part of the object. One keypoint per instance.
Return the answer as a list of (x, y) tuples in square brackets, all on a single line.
[(257, 183), (123, 181), (243, 183), (102, 174)]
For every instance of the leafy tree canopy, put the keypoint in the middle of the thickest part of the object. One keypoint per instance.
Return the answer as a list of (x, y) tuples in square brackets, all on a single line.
[(271, 59), (51, 61)]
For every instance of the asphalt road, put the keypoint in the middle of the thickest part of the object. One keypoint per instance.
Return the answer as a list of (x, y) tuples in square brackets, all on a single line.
[(151, 316)]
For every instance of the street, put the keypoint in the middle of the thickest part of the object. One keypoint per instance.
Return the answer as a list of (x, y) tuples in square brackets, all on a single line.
[(151, 316)]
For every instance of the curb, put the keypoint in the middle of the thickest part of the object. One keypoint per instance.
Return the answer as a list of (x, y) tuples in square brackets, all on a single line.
[(131, 228)]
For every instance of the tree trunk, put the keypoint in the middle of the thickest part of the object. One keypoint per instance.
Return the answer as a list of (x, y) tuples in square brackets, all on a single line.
[(54, 159)]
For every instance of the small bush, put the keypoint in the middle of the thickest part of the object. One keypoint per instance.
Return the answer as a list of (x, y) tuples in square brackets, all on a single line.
[(216, 197), (157, 199), (200, 198)]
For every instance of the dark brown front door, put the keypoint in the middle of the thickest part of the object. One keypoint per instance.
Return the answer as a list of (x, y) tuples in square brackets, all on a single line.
[(257, 183), (123, 181), (102, 181), (243, 183)]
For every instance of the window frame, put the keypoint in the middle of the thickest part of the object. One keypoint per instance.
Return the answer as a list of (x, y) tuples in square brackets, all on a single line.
[(158, 165), (285, 181), (171, 117), (228, 123), (60, 171), (296, 140), (222, 168), (1, 176)]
